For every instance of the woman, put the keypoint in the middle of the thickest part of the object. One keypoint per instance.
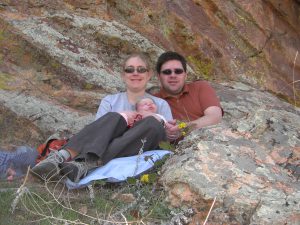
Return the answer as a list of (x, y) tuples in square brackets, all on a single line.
[(109, 136)]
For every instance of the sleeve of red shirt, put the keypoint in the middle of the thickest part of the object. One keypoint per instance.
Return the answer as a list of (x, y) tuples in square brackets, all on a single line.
[(207, 95)]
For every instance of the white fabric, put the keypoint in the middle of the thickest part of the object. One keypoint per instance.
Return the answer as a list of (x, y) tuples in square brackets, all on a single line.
[(119, 169), (163, 118)]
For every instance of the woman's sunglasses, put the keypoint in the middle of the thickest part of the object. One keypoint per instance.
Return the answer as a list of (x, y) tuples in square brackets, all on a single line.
[(138, 70), (177, 71)]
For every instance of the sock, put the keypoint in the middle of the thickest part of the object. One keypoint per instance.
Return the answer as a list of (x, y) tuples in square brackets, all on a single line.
[(65, 154)]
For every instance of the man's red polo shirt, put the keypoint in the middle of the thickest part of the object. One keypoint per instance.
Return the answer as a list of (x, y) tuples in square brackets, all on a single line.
[(192, 101)]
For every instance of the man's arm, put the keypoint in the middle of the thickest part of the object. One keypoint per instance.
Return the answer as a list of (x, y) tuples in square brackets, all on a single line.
[(212, 115)]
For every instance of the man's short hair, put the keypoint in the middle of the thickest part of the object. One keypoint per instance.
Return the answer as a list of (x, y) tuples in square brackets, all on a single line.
[(167, 56)]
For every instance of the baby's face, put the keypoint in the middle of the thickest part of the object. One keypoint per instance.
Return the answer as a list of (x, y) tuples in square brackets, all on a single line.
[(146, 105)]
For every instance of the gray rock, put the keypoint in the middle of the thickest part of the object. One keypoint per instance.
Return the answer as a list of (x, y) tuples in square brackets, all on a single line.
[(241, 161), (47, 115)]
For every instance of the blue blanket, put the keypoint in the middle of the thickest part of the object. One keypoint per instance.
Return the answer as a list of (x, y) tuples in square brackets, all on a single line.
[(19, 160), (120, 169)]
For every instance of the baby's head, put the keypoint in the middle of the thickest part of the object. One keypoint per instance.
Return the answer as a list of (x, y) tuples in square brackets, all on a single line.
[(146, 104)]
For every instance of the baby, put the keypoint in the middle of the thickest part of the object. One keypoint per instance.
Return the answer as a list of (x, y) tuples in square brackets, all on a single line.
[(144, 107), (147, 107)]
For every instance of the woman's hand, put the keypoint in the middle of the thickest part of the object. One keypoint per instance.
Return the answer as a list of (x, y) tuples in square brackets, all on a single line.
[(129, 116), (132, 116)]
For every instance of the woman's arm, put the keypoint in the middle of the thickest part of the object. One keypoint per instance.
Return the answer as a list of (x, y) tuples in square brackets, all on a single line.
[(104, 107)]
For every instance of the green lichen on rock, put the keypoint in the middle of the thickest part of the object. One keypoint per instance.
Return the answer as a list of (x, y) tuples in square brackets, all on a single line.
[(166, 30), (89, 86), (55, 65), (202, 66), (115, 42), (188, 41), (2, 35), (5, 79), (181, 33)]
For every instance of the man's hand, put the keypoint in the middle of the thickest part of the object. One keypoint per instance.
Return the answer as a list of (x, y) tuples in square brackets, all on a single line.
[(172, 130)]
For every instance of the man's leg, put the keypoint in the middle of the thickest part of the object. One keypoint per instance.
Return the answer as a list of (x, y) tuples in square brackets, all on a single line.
[(149, 130)]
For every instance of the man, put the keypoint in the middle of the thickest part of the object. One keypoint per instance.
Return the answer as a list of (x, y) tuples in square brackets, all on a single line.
[(195, 102)]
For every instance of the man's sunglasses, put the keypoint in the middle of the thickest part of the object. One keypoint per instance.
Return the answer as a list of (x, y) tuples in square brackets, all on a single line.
[(177, 71), (138, 70)]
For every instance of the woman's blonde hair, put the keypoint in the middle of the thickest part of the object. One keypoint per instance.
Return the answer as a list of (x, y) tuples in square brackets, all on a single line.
[(140, 55)]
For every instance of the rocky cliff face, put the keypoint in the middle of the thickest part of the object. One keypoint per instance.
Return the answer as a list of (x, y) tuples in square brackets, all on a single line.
[(250, 41), (59, 58)]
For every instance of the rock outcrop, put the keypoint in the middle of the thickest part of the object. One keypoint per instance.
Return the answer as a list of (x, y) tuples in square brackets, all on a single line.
[(250, 162)]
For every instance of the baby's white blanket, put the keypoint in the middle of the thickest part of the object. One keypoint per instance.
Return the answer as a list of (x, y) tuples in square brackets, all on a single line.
[(120, 169)]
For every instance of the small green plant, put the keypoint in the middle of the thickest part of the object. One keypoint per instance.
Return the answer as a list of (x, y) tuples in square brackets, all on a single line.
[(6, 197), (166, 145), (185, 128)]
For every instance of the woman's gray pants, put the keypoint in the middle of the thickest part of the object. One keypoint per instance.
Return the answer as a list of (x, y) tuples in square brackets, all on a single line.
[(109, 137)]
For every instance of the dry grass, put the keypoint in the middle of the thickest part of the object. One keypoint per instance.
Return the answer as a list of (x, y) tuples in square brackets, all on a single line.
[(50, 202), (294, 81)]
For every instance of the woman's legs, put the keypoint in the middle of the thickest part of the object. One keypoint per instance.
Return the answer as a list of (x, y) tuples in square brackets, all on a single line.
[(92, 141), (145, 134), (106, 138), (88, 144)]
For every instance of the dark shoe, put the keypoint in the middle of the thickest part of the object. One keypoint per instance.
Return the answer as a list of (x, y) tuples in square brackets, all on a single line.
[(76, 170), (48, 169)]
